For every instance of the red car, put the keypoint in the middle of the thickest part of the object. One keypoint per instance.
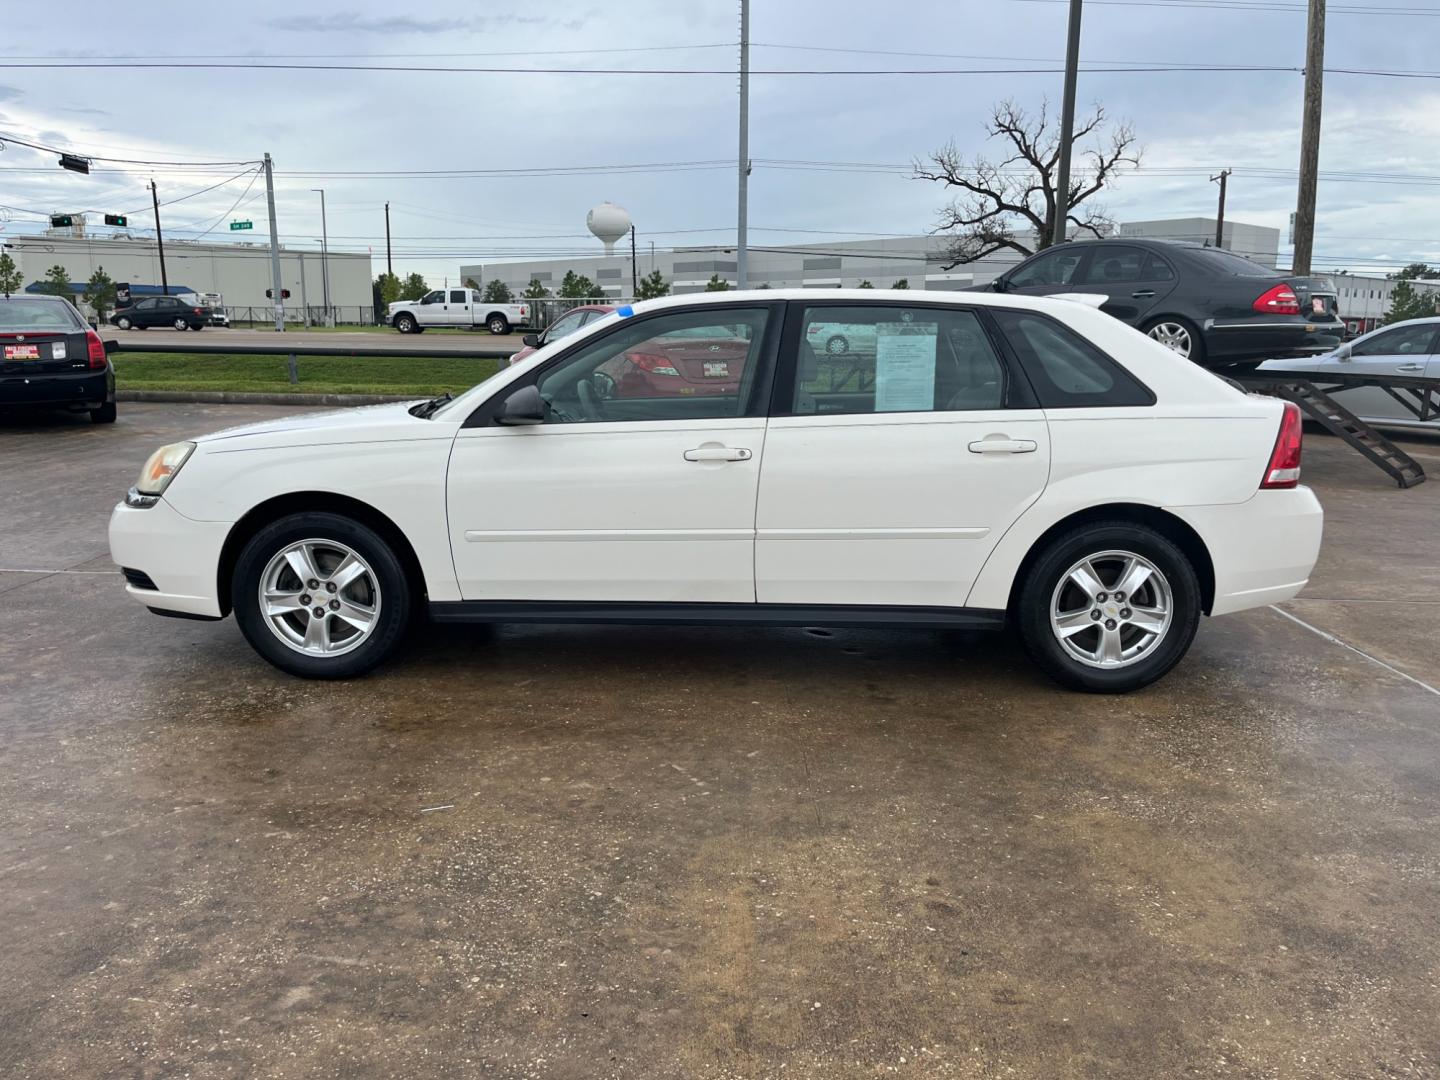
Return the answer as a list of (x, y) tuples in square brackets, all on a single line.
[(564, 326)]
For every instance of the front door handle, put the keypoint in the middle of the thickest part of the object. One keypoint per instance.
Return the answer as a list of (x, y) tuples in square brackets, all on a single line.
[(1000, 444), (1410, 367), (1143, 294), (718, 453)]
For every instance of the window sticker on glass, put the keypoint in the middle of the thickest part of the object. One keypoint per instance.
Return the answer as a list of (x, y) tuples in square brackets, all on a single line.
[(905, 366)]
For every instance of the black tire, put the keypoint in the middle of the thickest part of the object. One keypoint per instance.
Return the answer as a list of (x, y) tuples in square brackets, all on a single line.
[(180, 324), (123, 322), (1196, 352), (1033, 606), (406, 323), (497, 324), (105, 414), (395, 595), (838, 345)]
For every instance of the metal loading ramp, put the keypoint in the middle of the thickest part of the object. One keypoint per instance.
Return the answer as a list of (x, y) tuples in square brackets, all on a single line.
[(1312, 391)]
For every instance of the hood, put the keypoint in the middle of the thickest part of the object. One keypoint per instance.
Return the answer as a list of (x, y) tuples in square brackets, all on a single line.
[(368, 423)]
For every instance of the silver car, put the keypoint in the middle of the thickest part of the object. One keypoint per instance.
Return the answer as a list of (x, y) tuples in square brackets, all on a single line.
[(1410, 348)]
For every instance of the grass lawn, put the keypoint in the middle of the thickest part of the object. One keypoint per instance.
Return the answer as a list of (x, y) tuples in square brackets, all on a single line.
[(318, 374), (299, 328)]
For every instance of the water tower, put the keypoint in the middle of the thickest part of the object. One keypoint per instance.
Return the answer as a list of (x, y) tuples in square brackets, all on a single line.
[(608, 222)]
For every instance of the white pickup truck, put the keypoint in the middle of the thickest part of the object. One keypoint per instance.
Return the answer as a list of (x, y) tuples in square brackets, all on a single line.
[(455, 307)]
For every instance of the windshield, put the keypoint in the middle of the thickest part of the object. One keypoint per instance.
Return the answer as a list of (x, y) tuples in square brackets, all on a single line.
[(21, 314), (1224, 262)]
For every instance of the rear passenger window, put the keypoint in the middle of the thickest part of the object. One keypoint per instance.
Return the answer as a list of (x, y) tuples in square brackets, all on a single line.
[(1065, 369), (457, 296), (1157, 269), (1114, 265), (890, 359)]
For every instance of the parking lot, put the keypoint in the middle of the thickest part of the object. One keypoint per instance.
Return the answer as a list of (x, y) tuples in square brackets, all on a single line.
[(669, 852)]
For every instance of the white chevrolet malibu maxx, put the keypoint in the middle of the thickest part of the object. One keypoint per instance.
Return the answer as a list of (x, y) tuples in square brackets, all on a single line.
[(696, 459)]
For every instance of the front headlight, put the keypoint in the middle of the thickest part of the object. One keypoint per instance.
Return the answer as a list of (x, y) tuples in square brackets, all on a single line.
[(159, 470)]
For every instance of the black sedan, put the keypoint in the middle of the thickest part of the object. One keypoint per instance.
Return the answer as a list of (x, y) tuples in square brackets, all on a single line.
[(1209, 305), (161, 311), (50, 358)]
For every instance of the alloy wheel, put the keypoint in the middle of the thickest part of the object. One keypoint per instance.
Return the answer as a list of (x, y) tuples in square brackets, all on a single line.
[(320, 597), (1173, 336), (1111, 609)]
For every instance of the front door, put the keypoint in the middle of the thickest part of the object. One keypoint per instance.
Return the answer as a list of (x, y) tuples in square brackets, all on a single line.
[(893, 472), (640, 485), (1055, 271), (1404, 350)]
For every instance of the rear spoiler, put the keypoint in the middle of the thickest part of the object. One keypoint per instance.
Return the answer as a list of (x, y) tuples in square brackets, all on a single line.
[(1087, 298)]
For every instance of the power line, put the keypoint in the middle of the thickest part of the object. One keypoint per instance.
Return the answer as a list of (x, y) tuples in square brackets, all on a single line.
[(4, 138), (1252, 5)]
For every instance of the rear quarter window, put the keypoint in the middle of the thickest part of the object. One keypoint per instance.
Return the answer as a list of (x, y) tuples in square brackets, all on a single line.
[(1065, 370)]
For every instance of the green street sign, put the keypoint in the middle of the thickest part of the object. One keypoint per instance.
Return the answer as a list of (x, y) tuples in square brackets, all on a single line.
[(241, 225)]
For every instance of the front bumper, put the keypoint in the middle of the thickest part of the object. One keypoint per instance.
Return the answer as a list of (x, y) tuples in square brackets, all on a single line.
[(80, 390), (180, 555), (1262, 549), (1266, 336)]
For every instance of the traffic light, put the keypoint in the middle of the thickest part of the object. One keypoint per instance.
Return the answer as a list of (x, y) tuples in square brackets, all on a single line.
[(75, 163), (115, 219), (61, 221), (284, 294)]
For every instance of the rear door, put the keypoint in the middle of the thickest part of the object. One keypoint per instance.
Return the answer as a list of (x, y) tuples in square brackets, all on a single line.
[(144, 312), (1133, 280), (890, 474), (455, 309)]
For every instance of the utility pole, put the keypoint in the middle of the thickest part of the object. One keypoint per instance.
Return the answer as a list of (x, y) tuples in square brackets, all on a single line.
[(389, 269), (277, 286), (1067, 126), (634, 266), (304, 300), (1220, 214), (1309, 139), (159, 239), (325, 259), (744, 163)]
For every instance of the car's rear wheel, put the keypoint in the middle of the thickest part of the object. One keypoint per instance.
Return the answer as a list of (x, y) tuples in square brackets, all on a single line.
[(105, 414), (1109, 607), (498, 324), (321, 596), (1178, 335), (406, 324), (123, 322)]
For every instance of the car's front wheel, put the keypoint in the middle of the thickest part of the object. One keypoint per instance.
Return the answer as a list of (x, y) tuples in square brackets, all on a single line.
[(181, 324), (1178, 335), (1109, 607), (321, 596), (123, 322)]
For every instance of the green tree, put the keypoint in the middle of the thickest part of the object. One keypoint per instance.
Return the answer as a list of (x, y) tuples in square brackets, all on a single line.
[(717, 284), (497, 292), (57, 281), (864, 285), (471, 283), (903, 283), (414, 287), (535, 291), (1417, 272), (577, 287), (11, 280), (389, 286), (651, 286), (1406, 302), (100, 293)]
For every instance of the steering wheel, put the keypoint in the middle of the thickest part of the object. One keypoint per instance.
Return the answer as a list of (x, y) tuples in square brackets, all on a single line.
[(590, 406)]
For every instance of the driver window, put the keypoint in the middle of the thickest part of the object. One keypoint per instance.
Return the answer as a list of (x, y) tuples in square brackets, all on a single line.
[(1052, 268), (684, 366), (1402, 341), (436, 297), (564, 326)]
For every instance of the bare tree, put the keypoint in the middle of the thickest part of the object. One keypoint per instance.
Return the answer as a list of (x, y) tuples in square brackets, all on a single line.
[(1000, 204)]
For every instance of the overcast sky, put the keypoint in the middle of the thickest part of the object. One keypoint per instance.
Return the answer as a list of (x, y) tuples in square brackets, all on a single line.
[(363, 121)]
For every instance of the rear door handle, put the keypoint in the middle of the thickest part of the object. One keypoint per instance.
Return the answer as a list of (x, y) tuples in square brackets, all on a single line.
[(1002, 445), (1143, 294), (718, 453), (1410, 367)]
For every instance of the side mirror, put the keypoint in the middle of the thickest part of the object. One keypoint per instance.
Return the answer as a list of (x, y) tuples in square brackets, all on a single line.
[(999, 284), (1343, 352), (532, 341), (524, 406)]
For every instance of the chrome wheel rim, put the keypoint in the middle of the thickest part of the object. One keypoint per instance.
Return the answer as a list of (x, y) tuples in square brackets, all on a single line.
[(1111, 609), (181, 324), (497, 327), (1173, 336), (320, 597)]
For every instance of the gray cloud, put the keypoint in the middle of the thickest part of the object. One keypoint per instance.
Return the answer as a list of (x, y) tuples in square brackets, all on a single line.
[(9, 93), (353, 22)]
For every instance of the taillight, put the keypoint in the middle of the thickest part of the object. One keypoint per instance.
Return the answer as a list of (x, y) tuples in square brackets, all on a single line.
[(96, 348), (1281, 300), (656, 365), (199, 312), (1284, 468)]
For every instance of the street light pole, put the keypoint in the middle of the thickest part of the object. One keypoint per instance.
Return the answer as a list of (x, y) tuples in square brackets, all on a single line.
[(743, 206), (325, 259), (1067, 127), (389, 268)]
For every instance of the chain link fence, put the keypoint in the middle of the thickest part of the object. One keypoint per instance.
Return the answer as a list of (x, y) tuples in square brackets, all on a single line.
[(543, 312)]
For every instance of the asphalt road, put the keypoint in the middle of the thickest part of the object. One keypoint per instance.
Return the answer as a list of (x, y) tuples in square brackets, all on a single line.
[(598, 851), (382, 342)]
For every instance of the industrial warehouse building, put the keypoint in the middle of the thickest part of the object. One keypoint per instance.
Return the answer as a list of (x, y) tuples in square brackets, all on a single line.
[(917, 260), (240, 273)]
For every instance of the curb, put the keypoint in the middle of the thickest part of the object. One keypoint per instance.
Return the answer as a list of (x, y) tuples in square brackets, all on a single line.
[(229, 397)]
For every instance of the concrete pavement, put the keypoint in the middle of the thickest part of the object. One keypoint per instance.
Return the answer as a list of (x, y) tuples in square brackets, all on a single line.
[(644, 852)]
